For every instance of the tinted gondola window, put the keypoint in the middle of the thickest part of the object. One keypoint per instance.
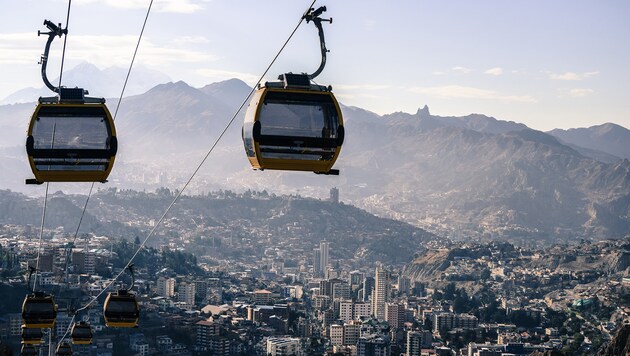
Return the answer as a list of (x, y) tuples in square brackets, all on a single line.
[(122, 309), (37, 309), (298, 115), (70, 133)]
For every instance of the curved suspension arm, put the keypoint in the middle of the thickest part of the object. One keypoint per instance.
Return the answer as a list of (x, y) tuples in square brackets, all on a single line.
[(133, 277), (313, 15), (31, 270), (55, 30)]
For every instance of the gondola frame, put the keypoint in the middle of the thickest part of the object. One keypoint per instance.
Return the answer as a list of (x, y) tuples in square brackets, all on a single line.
[(31, 339), (41, 323), (132, 320), (73, 175), (81, 339), (249, 132)]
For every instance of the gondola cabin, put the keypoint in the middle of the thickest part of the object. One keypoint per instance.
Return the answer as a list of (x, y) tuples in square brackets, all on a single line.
[(293, 125), (31, 336), (71, 139), (121, 310), (39, 311), (64, 349), (29, 350), (81, 333)]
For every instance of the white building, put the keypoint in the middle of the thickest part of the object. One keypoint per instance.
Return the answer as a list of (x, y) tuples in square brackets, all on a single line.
[(284, 346), (166, 287)]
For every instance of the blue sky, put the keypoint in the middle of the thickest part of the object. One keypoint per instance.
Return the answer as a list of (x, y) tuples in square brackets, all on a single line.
[(544, 63)]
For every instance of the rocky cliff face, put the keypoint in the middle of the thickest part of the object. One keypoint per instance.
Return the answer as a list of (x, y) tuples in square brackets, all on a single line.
[(619, 345)]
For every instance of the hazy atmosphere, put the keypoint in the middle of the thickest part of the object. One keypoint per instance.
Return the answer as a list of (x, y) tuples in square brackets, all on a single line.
[(471, 194), (558, 64)]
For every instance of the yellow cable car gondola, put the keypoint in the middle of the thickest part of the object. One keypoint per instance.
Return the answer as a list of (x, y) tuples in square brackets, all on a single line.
[(64, 349), (39, 311), (81, 333), (31, 336), (71, 137), (121, 310), (29, 350), (294, 124)]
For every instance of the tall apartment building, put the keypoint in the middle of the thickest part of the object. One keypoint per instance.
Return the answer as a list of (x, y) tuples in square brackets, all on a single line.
[(205, 331), (374, 345), (317, 260), (395, 315), (447, 321), (381, 293), (349, 310), (417, 340), (166, 287), (186, 293), (281, 346), (341, 290), (336, 334), (351, 333), (346, 310), (367, 288), (324, 250)]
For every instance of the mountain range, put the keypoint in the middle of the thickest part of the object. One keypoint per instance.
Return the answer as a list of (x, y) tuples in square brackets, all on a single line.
[(464, 176), (101, 83)]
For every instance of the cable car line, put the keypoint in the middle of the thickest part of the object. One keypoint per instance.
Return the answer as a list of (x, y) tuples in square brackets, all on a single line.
[(178, 195), (41, 234), (63, 52), (29, 307), (122, 92), (133, 59), (113, 119)]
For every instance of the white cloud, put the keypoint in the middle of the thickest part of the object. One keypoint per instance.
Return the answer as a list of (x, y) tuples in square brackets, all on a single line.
[(173, 6), (188, 40), (462, 70), (462, 92), (219, 75), (103, 51), (580, 92), (20, 48), (456, 70), (494, 71), (362, 86), (117, 50), (572, 75)]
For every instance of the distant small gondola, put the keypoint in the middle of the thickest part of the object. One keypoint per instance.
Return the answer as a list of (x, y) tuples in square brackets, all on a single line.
[(31, 336), (29, 350), (81, 333), (121, 310), (64, 349), (39, 311)]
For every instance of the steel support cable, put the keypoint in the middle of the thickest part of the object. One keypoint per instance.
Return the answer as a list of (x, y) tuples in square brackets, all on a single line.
[(41, 234), (63, 52), (179, 194), (76, 233), (115, 113), (41, 230), (122, 92)]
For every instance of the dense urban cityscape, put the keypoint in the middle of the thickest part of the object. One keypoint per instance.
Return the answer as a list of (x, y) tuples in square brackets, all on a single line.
[(304, 296)]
